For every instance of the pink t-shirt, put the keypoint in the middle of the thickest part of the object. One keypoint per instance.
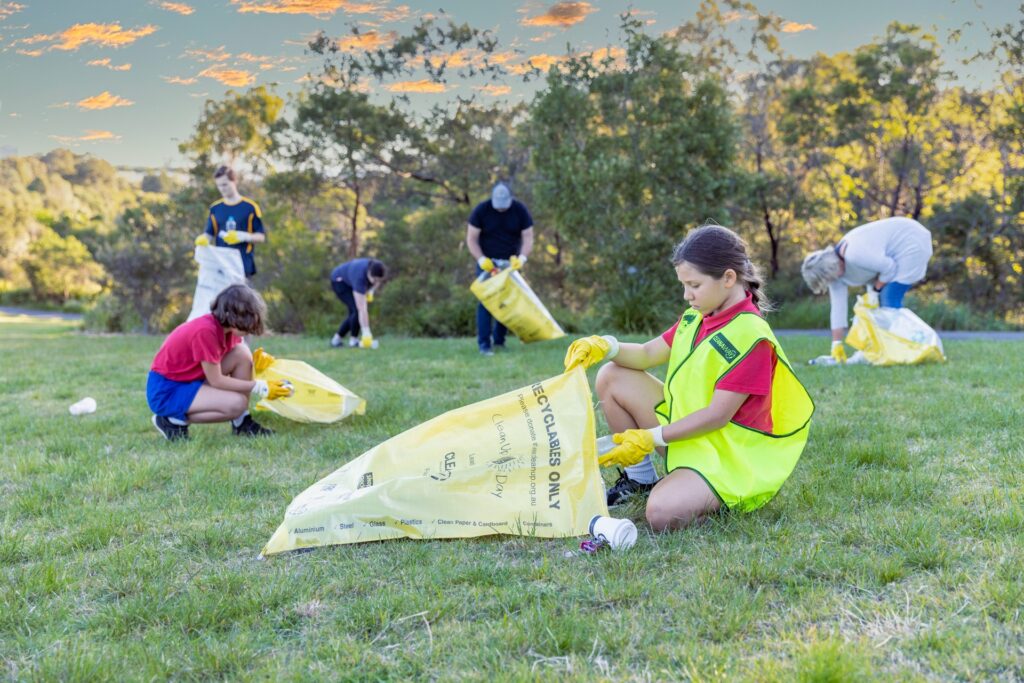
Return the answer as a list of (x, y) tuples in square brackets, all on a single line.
[(753, 375), (182, 354)]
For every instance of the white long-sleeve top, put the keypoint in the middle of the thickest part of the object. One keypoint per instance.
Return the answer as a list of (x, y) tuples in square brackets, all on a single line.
[(893, 249)]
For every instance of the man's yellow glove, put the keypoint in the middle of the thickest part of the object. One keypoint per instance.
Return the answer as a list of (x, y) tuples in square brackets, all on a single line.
[(232, 237), (366, 339), (838, 352), (261, 360), (203, 240), (274, 389), (485, 264), (369, 297), (517, 262), (590, 350), (633, 446)]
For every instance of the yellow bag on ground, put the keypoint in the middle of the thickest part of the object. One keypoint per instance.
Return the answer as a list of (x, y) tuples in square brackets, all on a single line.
[(317, 397), (523, 463), (893, 336), (509, 299)]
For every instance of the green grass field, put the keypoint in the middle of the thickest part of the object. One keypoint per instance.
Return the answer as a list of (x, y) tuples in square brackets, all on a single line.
[(893, 553)]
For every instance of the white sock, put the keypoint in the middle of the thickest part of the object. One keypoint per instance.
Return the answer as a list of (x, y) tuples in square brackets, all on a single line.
[(176, 421), (238, 420), (643, 472)]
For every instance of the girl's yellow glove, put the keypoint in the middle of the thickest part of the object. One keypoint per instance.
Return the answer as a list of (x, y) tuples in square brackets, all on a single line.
[(633, 446), (261, 360), (203, 240), (590, 350)]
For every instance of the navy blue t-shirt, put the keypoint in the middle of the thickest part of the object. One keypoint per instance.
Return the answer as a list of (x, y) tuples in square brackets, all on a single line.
[(245, 216), (501, 232), (354, 273)]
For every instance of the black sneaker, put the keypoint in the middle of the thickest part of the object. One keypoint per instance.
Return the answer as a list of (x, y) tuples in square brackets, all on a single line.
[(251, 427), (624, 487), (170, 431)]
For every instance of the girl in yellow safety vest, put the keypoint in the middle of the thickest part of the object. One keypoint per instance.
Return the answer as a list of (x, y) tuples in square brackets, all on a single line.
[(731, 418)]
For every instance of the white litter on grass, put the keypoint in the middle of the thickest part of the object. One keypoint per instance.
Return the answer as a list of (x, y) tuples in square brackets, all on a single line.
[(84, 407)]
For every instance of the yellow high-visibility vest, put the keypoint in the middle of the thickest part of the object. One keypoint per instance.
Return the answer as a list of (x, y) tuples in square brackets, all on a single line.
[(744, 467)]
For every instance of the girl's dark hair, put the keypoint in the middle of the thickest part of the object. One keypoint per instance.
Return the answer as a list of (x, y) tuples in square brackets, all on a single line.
[(378, 269), (240, 307), (224, 171), (712, 250)]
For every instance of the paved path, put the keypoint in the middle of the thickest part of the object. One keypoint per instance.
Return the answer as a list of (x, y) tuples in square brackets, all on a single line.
[(10, 310), (948, 334)]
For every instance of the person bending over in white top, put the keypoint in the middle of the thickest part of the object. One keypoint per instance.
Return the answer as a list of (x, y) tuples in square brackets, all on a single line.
[(888, 256)]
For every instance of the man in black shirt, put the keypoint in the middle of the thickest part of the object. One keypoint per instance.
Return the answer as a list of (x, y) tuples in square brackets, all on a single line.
[(499, 228)]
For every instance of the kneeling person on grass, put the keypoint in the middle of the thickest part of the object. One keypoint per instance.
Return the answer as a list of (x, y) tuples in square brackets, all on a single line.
[(203, 372), (731, 418)]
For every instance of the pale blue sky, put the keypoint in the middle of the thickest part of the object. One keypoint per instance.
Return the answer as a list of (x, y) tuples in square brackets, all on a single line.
[(183, 52)]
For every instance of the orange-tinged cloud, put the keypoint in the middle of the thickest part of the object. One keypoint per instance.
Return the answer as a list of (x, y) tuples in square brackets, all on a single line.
[(217, 54), (179, 80), (562, 14), (104, 101), (9, 8), (542, 62), (495, 90), (616, 54), (422, 86), (316, 8), (371, 40), (113, 67), (178, 7), (794, 27), (31, 53), (106, 35), (236, 78), (90, 136)]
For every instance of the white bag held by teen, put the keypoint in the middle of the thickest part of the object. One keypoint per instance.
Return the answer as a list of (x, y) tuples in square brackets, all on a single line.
[(219, 267)]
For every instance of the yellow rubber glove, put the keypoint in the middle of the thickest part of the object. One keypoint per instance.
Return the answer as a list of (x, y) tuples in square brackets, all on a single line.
[(261, 360), (366, 342), (838, 352), (274, 389), (485, 264), (232, 237), (517, 262), (633, 446), (203, 240), (369, 297), (590, 350)]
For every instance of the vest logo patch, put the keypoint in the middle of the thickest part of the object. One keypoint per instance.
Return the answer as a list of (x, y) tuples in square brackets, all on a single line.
[(689, 317), (724, 347)]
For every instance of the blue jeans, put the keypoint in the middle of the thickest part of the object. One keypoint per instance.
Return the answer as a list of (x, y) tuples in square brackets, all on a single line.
[(486, 326), (892, 295)]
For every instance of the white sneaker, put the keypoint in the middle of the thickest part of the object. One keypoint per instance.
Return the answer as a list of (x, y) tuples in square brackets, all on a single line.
[(336, 341), (353, 342)]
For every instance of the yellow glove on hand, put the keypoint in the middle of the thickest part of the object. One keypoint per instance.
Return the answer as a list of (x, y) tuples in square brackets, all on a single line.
[(633, 446), (485, 264), (590, 350), (274, 389), (203, 240), (517, 262), (261, 360), (838, 352), (366, 342), (232, 237), (369, 297)]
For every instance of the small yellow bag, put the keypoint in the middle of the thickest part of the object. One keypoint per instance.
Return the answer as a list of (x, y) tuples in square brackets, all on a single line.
[(317, 397), (509, 299), (893, 336), (523, 463)]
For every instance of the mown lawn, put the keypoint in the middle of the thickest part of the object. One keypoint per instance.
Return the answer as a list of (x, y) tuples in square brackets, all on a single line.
[(895, 552)]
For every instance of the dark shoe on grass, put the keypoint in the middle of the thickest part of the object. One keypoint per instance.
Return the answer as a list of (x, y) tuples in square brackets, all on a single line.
[(624, 488), (169, 430), (251, 427)]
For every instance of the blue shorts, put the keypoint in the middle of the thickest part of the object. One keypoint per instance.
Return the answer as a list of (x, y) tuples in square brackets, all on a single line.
[(892, 294), (168, 398)]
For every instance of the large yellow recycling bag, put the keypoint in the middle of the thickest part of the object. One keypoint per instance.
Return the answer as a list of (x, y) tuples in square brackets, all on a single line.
[(509, 299), (522, 463), (893, 336), (317, 397)]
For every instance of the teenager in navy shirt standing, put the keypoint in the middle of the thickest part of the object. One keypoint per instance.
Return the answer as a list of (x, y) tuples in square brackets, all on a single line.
[(499, 228), (234, 221)]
